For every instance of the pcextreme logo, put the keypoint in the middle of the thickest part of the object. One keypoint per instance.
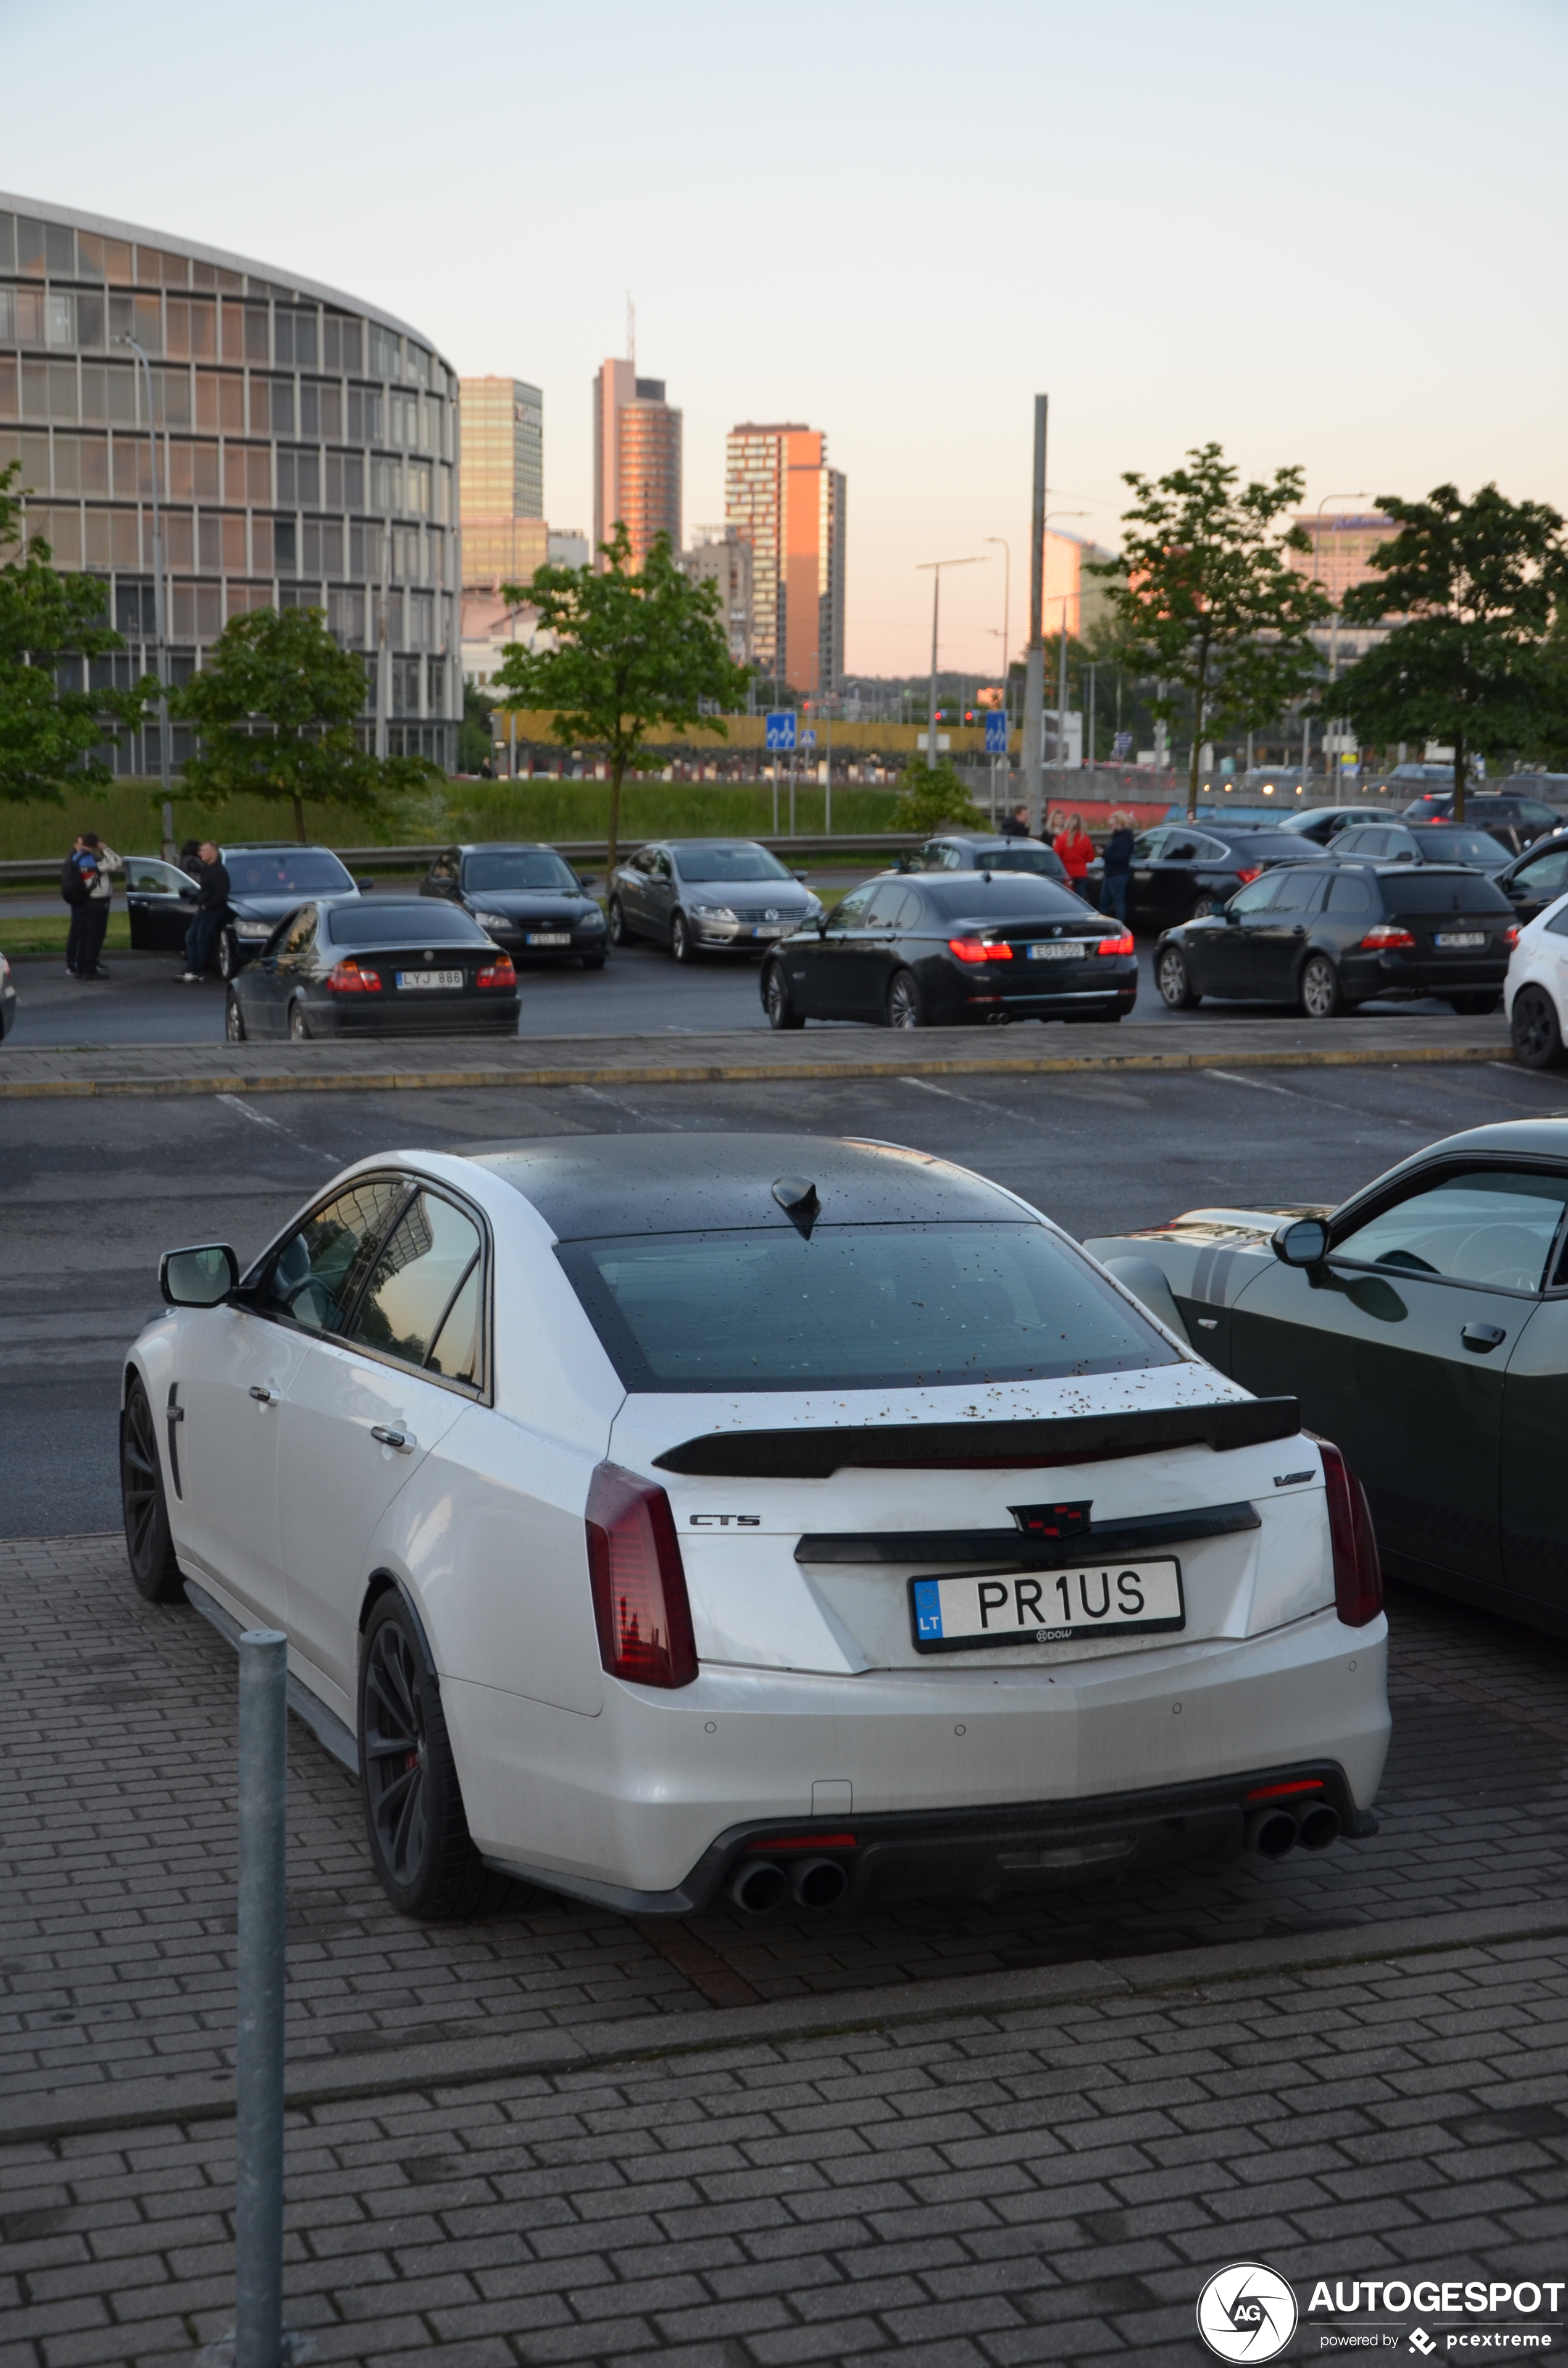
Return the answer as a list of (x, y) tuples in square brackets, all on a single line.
[(1247, 2312)]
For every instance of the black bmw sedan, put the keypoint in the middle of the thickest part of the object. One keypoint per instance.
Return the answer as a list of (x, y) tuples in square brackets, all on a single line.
[(526, 897), (937, 952), (393, 967), (1180, 869), (1334, 934)]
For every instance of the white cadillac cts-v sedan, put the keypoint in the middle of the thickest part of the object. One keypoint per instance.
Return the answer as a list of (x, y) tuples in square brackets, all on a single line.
[(653, 1516)]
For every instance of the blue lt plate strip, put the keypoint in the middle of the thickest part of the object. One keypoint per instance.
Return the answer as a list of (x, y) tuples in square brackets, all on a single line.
[(927, 1606)]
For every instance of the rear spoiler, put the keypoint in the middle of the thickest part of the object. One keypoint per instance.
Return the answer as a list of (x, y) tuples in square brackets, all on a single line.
[(976, 1446)]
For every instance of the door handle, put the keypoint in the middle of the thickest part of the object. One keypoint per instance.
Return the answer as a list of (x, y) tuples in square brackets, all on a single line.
[(401, 1440), (1483, 1337), (262, 1397)]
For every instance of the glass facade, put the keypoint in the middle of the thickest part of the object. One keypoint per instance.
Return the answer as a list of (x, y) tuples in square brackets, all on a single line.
[(780, 495), (307, 450), (502, 482)]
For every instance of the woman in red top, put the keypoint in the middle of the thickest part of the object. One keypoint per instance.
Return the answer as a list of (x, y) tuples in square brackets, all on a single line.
[(1075, 848)]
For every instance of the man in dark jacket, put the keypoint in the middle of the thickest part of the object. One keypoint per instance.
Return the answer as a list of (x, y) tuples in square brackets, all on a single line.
[(1014, 825), (1118, 860), (211, 912), (86, 885)]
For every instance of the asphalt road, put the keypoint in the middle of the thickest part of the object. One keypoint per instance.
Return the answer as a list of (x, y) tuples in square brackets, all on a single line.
[(640, 991), (93, 1189)]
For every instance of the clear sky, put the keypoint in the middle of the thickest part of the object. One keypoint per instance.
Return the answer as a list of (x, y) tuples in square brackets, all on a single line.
[(1330, 235)]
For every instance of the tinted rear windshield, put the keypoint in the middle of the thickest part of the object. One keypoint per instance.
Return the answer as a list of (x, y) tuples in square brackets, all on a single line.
[(729, 864), (1462, 846), (307, 871), (381, 922), (1442, 892), (530, 867), (1019, 857), (855, 1307), (971, 897)]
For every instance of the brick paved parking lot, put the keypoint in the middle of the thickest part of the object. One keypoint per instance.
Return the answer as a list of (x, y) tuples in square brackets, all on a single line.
[(983, 2182), (119, 1861)]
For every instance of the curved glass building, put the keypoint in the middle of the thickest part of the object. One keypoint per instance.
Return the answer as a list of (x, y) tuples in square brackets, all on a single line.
[(307, 451)]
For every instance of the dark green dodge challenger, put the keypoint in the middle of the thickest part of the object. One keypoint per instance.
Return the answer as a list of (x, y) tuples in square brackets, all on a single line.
[(1423, 1326)]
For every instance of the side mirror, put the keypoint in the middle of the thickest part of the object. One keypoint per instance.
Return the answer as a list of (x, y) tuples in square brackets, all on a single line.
[(905, 863), (796, 875), (1303, 1242), (199, 1278), (588, 881), (364, 886)]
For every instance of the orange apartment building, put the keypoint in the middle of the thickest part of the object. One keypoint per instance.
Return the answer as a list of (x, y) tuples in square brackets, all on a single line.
[(637, 459), (791, 506)]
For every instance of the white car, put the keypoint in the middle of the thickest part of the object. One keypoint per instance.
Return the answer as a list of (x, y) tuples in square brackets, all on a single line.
[(653, 1516), (1535, 993)]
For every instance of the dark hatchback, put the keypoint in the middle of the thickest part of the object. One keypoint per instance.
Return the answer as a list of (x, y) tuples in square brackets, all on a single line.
[(1439, 842), (267, 881), (1179, 870), (967, 851), (1329, 936), (937, 952), (393, 968), (524, 896), (1537, 878), (1515, 820)]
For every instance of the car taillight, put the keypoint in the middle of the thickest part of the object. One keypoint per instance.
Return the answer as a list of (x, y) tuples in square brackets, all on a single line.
[(1123, 945), (1511, 934), (348, 978), (1357, 1574), (976, 950), (1254, 871), (1384, 938), (637, 1581), (500, 972)]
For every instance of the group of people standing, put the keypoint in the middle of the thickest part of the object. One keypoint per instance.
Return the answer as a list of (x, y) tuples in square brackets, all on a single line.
[(87, 883), (1065, 836)]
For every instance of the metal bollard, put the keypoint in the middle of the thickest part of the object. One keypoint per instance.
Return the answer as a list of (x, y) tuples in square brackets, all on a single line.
[(264, 1728)]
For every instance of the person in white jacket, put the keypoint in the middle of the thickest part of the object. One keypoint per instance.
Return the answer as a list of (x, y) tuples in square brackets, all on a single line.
[(86, 883)]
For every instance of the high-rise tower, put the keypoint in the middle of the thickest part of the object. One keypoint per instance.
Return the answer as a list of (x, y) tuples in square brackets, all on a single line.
[(637, 459), (501, 481), (781, 495)]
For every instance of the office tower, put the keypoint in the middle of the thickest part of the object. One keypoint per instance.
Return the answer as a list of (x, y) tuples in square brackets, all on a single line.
[(781, 494), (637, 459), (722, 555), (501, 481), (306, 451)]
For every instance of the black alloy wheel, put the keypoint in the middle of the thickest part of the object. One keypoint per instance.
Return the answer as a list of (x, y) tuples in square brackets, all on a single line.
[(619, 935), (228, 956), (1478, 1003), (777, 1001), (1174, 980), (147, 1540), (298, 1025), (1537, 1039), (418, 1833), (907, 1007), (1318, 990), (233, 1019), (682, 945)]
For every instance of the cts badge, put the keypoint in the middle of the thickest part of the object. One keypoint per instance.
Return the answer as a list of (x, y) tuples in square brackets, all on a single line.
[(725, 1520)]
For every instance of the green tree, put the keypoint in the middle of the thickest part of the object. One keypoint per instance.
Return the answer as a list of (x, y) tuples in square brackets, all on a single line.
[(275, 705), (49, 735), (1477, 587), (475, 745), (930, 795), (1206, 601), (632, 649)]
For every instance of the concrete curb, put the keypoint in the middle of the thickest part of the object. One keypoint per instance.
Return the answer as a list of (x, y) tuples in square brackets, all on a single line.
[(462, 2064), (787, 1071)]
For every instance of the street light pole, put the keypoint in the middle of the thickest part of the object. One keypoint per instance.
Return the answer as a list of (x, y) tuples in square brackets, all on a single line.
[(936, 567), (160, 607), (1007, 602)]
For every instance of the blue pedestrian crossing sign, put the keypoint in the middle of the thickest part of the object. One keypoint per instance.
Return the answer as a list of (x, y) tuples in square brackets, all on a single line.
[(996, 733), (782, 728)]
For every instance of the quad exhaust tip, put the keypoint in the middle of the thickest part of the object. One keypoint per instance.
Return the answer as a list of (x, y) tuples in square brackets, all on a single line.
[(1274, 1832), (762, 1884)]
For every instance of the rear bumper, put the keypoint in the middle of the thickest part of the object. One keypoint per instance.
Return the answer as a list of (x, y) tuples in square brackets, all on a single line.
[(1396, 974), (407, 1018)]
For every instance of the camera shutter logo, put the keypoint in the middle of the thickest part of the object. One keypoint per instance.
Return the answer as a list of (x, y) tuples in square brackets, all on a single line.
[(1247, 2312)]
